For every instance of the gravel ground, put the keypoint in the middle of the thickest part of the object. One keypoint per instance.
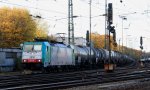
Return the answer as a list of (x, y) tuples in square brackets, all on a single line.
[(10, 73), (140, 84)]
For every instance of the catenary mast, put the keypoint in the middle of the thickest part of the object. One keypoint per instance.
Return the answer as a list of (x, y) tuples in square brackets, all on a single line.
[(70, 23)]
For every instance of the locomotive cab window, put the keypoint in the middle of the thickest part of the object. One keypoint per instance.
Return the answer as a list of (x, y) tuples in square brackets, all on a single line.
[(28, 47), (32, 48), (37, 47)]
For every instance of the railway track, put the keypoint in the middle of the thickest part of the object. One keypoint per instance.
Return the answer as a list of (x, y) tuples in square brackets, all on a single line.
[(64, 80)]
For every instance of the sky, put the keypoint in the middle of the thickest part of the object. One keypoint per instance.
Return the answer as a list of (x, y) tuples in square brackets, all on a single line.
[(55, 13)]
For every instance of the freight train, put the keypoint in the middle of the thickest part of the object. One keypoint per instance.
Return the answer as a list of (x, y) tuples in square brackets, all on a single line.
[(51, 56)]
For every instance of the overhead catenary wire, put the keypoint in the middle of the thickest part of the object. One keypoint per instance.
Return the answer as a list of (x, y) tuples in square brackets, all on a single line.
[(48, 18), (34, 8), (94, 5)]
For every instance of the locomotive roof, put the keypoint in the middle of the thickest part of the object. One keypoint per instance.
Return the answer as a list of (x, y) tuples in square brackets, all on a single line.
[(47, 43), (58, 44)]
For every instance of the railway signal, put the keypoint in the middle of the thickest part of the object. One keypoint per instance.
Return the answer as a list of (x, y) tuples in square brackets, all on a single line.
[(110, 13), (141, 43), (87, 38), (141, 40), (121, 1), (114, 38), (111, 28), (109, 65)]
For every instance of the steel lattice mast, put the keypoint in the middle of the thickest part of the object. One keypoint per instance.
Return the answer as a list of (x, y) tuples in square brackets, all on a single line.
[(70, 23)]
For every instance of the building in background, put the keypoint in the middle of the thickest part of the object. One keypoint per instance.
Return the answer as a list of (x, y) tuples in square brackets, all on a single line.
[(8, 58), (78, 40)]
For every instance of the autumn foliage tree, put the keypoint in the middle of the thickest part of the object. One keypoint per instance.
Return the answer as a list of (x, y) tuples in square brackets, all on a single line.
[(16, 26), (42, 29), (99, 41)]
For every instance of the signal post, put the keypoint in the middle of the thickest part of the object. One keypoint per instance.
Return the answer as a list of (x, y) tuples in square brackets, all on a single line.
[(109, 65)]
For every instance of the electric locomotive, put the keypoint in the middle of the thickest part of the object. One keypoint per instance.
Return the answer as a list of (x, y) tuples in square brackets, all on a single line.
[(37, 55)]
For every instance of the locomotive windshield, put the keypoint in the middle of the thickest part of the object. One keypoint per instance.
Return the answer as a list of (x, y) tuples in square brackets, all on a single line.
[(32, 47), (37, 47)]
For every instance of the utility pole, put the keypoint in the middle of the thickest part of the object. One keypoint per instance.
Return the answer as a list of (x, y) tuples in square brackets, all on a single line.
[(70, 23), (106, 32), (122, 18), (90, 24), (119, 44)]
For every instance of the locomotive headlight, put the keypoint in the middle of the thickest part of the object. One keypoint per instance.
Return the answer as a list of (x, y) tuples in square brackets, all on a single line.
[(24, 60), (39, 60)]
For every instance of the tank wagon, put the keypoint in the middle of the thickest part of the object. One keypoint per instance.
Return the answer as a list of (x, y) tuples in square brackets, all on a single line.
[(50, 56)]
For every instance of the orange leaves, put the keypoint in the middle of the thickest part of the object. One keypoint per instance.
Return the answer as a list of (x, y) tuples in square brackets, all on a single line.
[(42, 29), (40, 32), (99, 41), (16, 26)]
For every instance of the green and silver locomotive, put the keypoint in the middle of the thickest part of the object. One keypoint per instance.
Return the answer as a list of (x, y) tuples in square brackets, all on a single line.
[(43, 55)]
